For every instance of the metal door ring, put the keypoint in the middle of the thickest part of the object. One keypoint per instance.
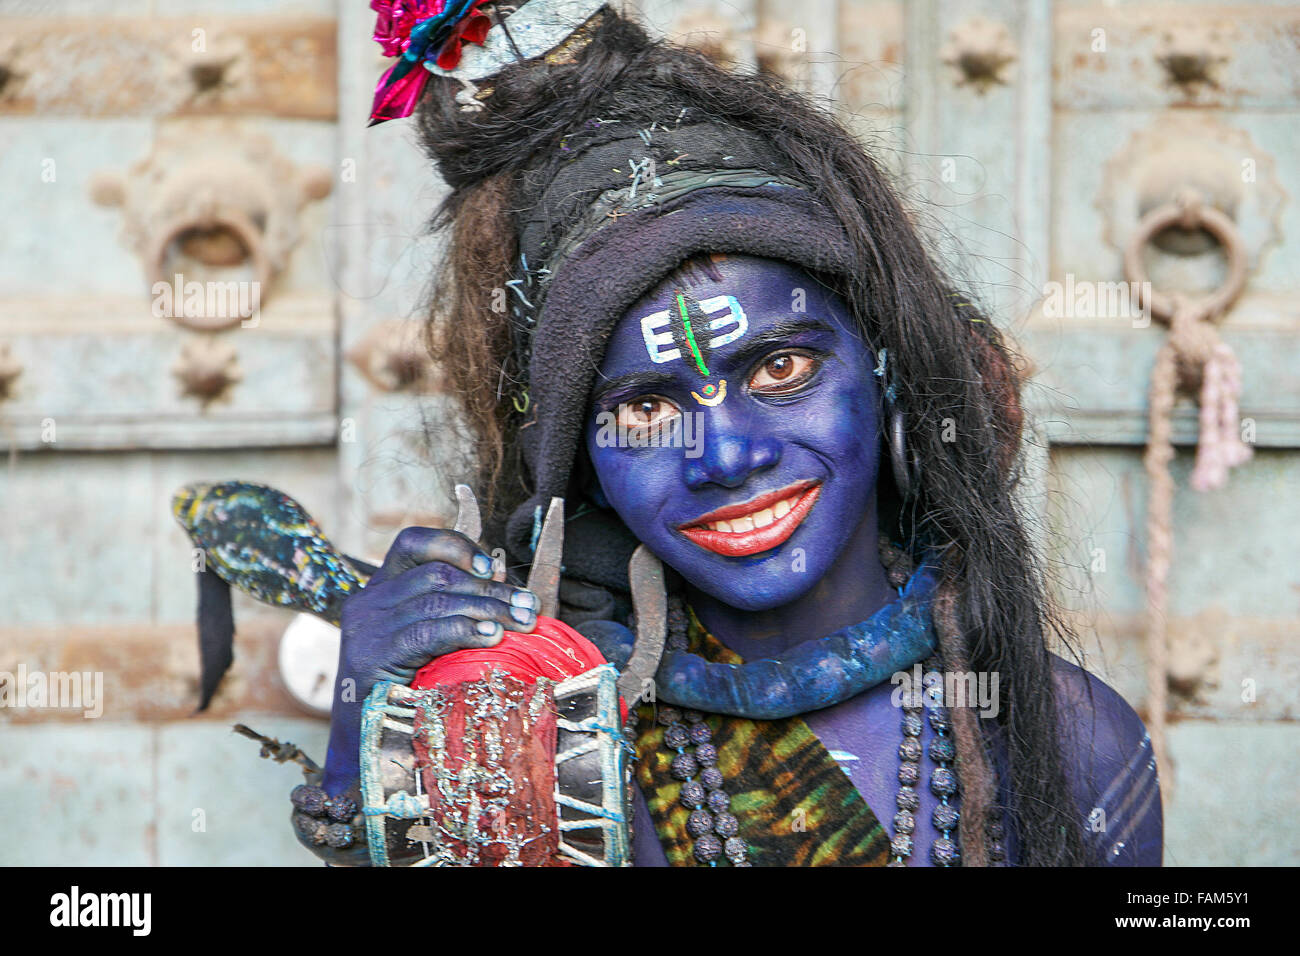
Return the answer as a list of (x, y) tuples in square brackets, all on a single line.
[(1188, 212), (243, 229)]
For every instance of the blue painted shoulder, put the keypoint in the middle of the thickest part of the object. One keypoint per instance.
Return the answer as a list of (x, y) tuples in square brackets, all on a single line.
[(1112, 769)]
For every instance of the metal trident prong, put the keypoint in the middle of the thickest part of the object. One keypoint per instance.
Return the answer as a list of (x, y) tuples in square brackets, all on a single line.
[(468, 521), (544, 577), (650, 601)]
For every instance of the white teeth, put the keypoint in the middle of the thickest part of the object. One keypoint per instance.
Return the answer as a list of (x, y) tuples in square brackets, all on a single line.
[(757, 519)]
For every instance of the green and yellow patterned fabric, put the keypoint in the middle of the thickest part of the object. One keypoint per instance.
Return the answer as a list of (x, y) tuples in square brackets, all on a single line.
[(796, 807)]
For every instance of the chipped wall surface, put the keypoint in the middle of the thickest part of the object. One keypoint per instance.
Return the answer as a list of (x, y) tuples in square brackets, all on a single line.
[(228, 142)]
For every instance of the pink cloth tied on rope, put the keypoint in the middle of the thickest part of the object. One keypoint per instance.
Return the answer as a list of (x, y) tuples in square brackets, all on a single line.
[(1205, 358), (1220, 446)]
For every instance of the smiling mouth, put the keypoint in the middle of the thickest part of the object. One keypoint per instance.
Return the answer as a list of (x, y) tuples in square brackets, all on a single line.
[(757, 525)]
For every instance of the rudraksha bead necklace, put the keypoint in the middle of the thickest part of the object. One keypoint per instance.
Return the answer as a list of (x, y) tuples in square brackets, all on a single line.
[(711, 824)]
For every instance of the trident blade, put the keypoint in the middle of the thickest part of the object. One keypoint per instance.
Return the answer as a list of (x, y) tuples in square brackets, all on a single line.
[(650, 601), (468, 521), (544, 577)]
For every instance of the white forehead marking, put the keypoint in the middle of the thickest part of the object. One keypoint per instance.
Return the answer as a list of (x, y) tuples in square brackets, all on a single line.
[(733, 320)]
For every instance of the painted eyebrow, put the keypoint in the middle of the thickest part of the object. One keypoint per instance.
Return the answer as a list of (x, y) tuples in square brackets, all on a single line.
[(636, 381), (772, 338)]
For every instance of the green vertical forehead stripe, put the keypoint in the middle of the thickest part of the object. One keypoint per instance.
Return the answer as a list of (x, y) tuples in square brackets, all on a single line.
[(684, 334)]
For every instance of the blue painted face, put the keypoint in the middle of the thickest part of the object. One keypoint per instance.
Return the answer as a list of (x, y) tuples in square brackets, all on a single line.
[(733, 428)]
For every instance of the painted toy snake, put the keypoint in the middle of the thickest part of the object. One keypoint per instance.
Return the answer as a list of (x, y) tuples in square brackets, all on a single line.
[(265, 543)]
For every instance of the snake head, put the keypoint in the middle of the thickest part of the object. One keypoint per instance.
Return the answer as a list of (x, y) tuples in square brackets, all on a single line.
[(186, 502)]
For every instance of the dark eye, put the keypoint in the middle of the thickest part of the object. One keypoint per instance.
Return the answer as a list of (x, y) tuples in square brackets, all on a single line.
[(645, 413), (783, 372)]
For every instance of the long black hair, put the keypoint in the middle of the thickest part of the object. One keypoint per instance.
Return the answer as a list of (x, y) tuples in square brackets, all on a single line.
[(955, 379)]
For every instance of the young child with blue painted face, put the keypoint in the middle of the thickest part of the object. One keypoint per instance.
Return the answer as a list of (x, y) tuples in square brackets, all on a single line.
[(691, 305), (773, 510)]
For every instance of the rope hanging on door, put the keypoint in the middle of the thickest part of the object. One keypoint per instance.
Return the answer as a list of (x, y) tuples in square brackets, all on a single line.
[(1195, 358)]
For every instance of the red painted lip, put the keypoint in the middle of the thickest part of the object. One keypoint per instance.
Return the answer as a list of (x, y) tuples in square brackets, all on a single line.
[(741, 544)]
